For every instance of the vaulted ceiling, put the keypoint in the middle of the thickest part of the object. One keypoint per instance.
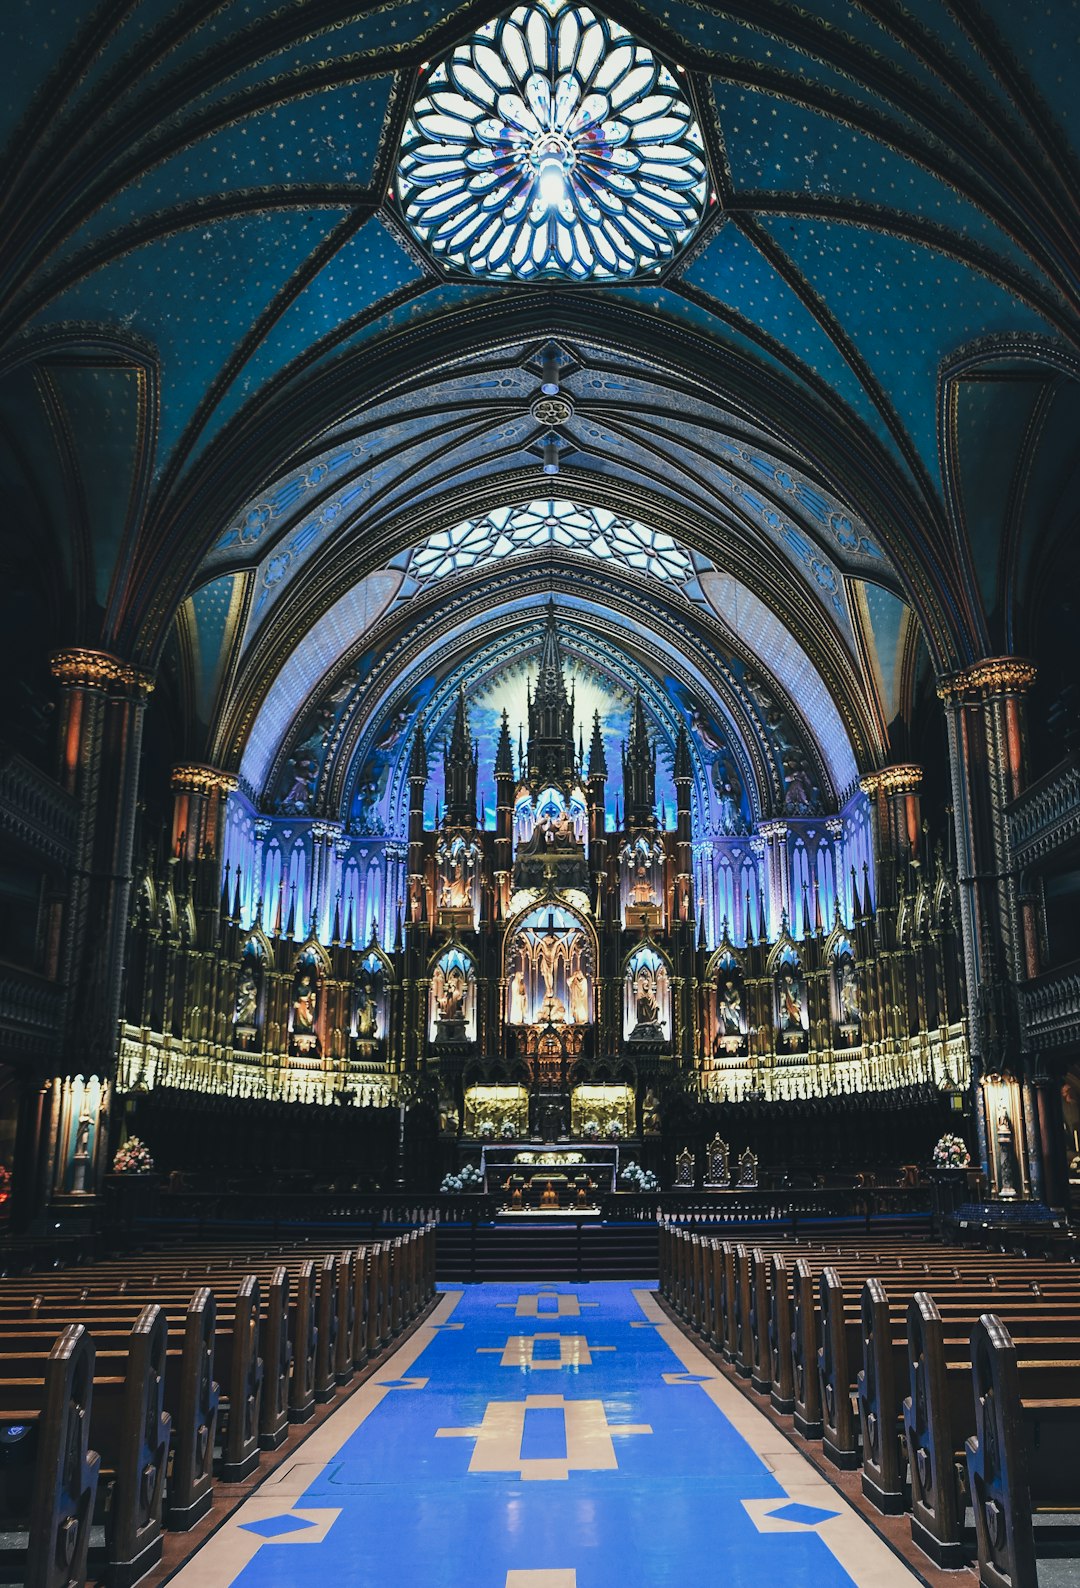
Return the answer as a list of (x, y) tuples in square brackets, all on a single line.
[(236, 396)]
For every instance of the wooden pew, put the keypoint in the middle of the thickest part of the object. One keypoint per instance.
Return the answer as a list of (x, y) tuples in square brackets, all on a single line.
[(1021, 1456), (130, 1429), (55, 1485)]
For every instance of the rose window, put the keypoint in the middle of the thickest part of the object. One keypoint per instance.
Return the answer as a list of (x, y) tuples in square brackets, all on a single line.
[(552, 145)]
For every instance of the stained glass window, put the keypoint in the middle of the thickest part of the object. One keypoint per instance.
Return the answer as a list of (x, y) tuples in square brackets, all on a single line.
[(532, 526), (552, 145)]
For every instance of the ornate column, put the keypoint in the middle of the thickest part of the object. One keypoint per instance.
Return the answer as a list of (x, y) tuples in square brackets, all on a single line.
[(324, 836), (984, 706), (896, 813), (199, 794), (102, 701), (777, 876), (834, 826)]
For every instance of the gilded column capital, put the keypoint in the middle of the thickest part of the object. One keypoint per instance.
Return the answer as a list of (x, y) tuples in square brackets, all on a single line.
[(772, 829), (192, 777), (903, 778), (82, 668), (994, 675)]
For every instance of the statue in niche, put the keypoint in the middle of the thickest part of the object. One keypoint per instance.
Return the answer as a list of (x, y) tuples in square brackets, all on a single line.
[(1008, 1165), (305, 1007), (549, 965), (579, 998), (646, 994), (450, 990), (729, 1009), (247, 997), (641, 891), (519, 1000), (650, 1114), (850, 1008), (791, 1001), (367, 1014), (799, 796)]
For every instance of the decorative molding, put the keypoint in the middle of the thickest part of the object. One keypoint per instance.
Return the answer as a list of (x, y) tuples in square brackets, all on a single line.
[(37, 813), (994, 675), (192, 777), (81, 668), (904, 778), (1046, 817)]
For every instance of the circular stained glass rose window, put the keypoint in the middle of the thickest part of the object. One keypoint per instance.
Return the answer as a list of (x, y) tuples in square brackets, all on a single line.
[(552, 145)]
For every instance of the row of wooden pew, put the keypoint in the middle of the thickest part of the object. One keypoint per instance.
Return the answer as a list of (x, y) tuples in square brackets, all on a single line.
[(129, 1388), (951, 1377)]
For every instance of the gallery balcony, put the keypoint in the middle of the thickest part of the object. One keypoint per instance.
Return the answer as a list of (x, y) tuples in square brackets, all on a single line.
[(1051, 1005), (1045, 820)]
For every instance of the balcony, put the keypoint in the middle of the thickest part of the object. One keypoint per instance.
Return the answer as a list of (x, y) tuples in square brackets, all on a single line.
[(35, 813), (31, 1014), (1051, 1006), (1046, 817)]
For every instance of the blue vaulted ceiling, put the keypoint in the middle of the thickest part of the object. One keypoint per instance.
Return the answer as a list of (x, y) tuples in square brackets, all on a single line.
[(221, 354)]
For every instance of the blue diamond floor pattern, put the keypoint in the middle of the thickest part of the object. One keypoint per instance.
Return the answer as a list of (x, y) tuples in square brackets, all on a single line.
[(412, 1512)]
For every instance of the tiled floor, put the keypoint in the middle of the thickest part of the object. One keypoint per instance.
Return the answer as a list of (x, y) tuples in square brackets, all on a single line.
[(546, 1437)]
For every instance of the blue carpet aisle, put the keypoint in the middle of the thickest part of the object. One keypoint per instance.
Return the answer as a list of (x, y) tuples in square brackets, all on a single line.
[(546, 1437)]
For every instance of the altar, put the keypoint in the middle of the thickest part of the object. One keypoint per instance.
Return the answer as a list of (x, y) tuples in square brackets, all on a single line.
[(574, 1173)]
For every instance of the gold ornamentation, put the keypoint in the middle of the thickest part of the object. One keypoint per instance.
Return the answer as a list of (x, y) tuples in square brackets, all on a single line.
[(994, 675), (81, 668), (904, 778), (192, 777)]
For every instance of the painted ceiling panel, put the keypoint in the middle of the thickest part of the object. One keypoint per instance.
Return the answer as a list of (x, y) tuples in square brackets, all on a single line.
[(210, 619), (773, 144), (670, 304), (103, 413), (755, 626), (38, 49), (339, 628), (368, 267), (194, 297), (323, 138), (991, 419), (885, 624), (736, 273), (1051, 502), (723, 35), (906, 307), (1036, 32)]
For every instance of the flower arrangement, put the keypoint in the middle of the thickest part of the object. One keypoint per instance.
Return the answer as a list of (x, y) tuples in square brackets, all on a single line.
[(615, 1130), (5, 1182), (951, 1153), (486, 1130), (467, 1178), (508, 1130), (133, 1158), (638, 1179), (591, 1130)]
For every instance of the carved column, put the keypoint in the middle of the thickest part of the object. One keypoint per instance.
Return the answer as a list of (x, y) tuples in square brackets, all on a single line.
[(102, 701), (777, 876), (896, 813), (985, 715)]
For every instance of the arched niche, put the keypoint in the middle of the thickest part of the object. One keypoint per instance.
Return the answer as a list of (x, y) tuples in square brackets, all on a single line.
[(549, 962), (647, 997)]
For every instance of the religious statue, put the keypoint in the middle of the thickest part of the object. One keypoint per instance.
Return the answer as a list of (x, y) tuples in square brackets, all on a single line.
[(1008, 1165), (247, 997), (729, 1009), (650, 1114), (579, 998), (790, 1002), (549, 964), (452, 1002), (850, 1011), (305, 1004), (519, 1000), (645, 992), (367, 1015), (645, 1005), (641, 891)]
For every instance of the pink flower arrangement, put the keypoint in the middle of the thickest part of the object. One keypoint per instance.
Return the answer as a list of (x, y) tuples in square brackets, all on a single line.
[(133, 1158)]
